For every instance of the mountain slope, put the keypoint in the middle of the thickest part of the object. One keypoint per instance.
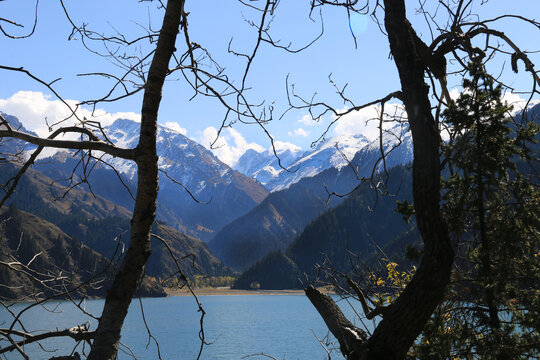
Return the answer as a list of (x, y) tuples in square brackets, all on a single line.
[(224, 194), (272, 225), (100, 224), (193, 255), (356, 229), (26, 237), (364, 221), (40, 195), (264, 166)]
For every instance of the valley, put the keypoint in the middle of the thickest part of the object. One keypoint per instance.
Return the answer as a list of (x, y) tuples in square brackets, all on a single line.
[(268, 232), (217, 220)]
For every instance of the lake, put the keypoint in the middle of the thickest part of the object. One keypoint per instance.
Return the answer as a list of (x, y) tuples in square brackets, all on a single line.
[(283, 326)]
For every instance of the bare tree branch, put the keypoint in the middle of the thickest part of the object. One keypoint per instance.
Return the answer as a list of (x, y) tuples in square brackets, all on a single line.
[(77, 333), (96, 144)]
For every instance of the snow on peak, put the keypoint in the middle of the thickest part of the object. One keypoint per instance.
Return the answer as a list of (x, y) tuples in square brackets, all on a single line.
[(267, 169), (182, 158), (336, 152)]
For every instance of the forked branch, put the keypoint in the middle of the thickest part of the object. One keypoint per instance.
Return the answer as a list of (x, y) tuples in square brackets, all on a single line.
[(349, 336), (77, 333)]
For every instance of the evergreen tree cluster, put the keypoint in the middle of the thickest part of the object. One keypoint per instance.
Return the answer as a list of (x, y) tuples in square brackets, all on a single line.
[(492, 309)]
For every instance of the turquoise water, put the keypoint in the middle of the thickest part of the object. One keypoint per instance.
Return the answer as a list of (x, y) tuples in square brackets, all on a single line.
[(285, 327)]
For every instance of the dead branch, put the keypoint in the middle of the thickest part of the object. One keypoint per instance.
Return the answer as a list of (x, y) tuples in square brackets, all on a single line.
[(98, 145), (13, 23), (77, 333), (349, 336)]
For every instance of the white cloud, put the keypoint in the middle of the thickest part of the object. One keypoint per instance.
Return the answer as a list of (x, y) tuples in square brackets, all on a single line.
[(282, 146), (517, 101), (307, 120), (365, 121), (299, 132), (230, 146), (35, 110), (176, 127), (454, 94)]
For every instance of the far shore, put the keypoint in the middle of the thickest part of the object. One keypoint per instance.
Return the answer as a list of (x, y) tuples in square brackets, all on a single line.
[(219, 291)]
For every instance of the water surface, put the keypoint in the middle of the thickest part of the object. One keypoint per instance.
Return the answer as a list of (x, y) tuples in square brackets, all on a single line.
[(284, 326)]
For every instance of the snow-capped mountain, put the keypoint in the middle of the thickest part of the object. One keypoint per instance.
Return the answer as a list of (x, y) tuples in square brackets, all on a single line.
[(181, 158), (281, 217), (223, 193), (398, 150), (264, 166), (12, 148)]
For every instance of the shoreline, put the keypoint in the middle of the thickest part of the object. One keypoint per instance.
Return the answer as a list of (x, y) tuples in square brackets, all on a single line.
[(227, 291)]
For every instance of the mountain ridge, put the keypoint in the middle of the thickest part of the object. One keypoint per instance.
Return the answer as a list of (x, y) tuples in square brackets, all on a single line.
[(272, 225), (297, 164), (223, 194), (360, 230)]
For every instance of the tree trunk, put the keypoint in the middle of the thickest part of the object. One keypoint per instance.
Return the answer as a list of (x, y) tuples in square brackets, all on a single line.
[(413, 308), (119, 296), (404, 320)]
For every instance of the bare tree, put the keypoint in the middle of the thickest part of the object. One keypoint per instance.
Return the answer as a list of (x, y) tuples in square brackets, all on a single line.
[(107, 336), (420, 64), (142, 73)]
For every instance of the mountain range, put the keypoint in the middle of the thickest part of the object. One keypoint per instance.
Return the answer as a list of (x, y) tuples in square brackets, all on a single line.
[(223, 193), (281, 217), (236, 214), (362, 229), (296, 164), (353, 235), (268, 220)]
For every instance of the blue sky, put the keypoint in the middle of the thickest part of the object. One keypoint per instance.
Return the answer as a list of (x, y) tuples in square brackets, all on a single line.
[(367, 69)]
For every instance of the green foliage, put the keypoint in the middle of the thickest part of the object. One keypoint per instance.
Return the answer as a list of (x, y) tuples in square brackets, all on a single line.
[(202, 281), (274, 271), (412, 253), (492, 309), (405, 209)]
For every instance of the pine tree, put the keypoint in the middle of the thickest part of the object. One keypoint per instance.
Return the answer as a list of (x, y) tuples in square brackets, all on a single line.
[(493, 307)]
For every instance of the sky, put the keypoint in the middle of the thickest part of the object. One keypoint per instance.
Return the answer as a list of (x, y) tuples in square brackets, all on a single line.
[(366, 68)]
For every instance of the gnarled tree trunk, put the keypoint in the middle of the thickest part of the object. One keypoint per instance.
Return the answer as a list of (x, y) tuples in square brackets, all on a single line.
[(404, 320), (119, 296)]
